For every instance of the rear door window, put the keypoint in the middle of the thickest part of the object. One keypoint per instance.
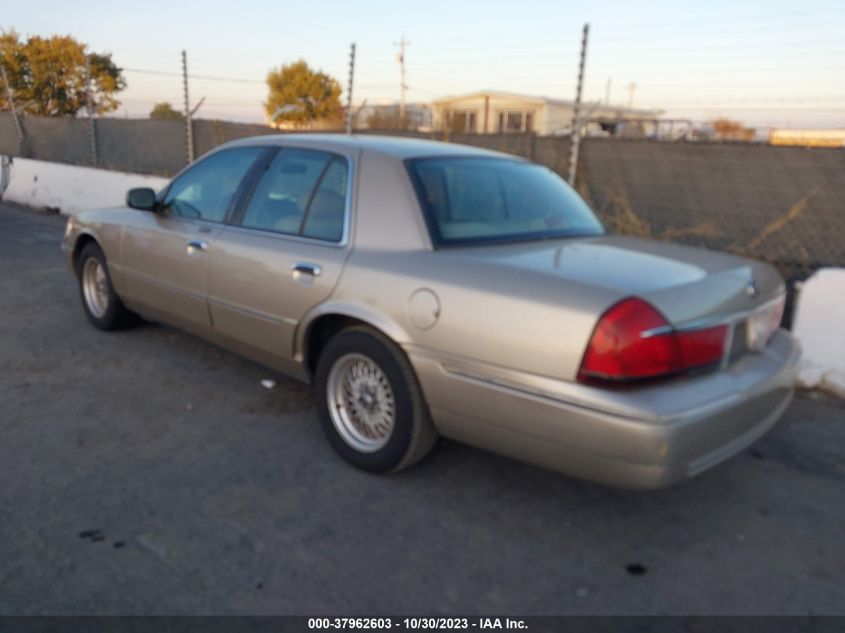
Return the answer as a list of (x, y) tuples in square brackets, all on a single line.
[(303, 193)]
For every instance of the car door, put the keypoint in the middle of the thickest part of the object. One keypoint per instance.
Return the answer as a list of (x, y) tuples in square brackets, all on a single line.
[(281, 254), (165, 254)]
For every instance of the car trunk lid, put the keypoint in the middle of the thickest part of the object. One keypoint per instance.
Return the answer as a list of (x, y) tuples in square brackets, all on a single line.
[(686, 284)]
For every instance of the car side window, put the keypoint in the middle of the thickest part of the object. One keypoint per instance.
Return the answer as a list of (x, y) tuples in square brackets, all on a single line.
[(302, 193), (324, 220), (205, 191)]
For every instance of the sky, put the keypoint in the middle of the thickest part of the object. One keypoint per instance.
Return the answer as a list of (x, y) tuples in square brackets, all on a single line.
[(765, 63)]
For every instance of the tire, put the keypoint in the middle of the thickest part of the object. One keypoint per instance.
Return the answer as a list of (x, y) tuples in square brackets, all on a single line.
[(102, 306), (362, 360)]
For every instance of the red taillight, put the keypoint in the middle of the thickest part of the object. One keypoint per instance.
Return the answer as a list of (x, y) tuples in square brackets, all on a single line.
[(701, 347), (618, 349), (634, 341)]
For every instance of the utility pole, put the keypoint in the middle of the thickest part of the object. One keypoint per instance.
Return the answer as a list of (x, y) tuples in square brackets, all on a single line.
[(576, 110), (89, 104), (189, 128), (401, 57), (631, 88), (349, 89), (607, 91), (11, 100)]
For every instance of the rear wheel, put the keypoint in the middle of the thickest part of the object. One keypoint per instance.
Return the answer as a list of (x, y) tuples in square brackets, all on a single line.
[(370, 404), (103, 307)]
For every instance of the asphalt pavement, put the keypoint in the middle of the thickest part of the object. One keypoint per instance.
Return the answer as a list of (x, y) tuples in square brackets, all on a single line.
[(148, 472)]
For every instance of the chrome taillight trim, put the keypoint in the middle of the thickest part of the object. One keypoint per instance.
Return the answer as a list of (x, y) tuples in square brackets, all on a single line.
[(730, 320), (714, 320)]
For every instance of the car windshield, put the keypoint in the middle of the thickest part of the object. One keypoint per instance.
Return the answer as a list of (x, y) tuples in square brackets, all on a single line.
[(478, 200)]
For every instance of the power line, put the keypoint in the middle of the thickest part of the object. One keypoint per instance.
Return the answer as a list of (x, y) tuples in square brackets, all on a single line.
[(721, 70), (739, 83), (506, 45), (424, 90), (758, 99), (504, 37), (727, 30), (148, 71), (534, 50), (385, 86), (740, 18), (760, 108)]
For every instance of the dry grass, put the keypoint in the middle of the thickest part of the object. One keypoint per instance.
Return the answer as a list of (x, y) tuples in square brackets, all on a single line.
[(620, 216), (781, 221), (705, 229)]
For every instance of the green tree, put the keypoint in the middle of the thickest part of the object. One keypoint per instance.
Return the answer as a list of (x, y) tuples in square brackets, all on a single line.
[(47, 75), (164, 111), (301, 95)]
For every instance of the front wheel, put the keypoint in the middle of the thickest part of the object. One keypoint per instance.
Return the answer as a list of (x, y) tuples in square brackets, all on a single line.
[(370, 405), (103, 307)]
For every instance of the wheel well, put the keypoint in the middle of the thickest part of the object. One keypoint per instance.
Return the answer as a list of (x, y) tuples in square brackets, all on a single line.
[(81, 242), (319, 333)]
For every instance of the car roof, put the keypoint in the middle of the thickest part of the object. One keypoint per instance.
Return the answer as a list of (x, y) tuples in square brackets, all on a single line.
[(400, 147)]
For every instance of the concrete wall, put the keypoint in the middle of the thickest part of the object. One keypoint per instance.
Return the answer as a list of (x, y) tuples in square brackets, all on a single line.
[(69, 188)]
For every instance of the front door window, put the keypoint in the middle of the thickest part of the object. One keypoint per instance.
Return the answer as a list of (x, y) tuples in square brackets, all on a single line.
[(206, 190)]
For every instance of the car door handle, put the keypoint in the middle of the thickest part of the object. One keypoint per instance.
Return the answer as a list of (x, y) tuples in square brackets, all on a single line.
[(197, 245), (308, 269)]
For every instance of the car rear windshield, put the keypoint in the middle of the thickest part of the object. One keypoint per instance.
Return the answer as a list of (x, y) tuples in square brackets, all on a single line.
[(479, 200)]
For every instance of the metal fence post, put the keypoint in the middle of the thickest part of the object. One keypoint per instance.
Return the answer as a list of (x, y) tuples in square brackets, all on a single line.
[(189, 128), (349, 91), (576, 111), (92, 122), (10, 98)]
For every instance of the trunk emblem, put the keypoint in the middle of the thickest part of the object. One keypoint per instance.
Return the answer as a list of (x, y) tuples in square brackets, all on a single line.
[(751, 289)]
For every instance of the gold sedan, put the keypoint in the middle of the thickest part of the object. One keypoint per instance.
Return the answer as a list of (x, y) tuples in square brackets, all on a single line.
[(433, 289)]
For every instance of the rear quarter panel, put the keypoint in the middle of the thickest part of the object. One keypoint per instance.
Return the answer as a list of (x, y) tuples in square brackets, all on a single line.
[(516, 319)]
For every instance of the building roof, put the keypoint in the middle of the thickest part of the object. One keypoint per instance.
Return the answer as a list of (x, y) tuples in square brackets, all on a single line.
[(540, 100), (503, 95)]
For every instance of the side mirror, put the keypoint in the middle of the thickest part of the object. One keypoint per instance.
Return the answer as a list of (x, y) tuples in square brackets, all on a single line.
[(142, 198)]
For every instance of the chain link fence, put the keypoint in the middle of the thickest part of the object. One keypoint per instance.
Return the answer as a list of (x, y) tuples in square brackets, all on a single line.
[(782, 205)]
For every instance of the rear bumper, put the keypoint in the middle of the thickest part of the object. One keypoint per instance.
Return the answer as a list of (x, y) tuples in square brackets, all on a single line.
[(647, 437)]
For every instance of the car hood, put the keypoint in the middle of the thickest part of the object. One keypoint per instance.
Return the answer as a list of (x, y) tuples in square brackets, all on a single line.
[(685, 283)]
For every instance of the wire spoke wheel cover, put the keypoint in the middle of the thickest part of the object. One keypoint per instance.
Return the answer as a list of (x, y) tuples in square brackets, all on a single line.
[(95, 287), (361, 402)]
